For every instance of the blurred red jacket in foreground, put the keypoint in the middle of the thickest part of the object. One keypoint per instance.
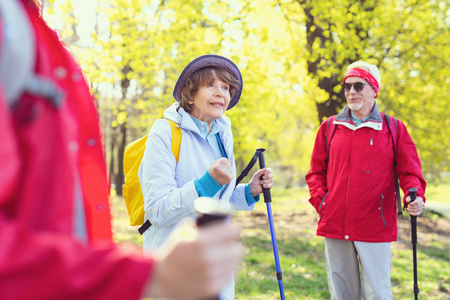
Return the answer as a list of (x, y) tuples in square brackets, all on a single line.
[(47, 155)]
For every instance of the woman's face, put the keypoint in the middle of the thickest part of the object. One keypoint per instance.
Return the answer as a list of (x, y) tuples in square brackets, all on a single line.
[(211, 101)]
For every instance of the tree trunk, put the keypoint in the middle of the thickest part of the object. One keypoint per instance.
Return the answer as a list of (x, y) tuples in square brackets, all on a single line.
[(112, 146), (314, 33), (335, 101), (119, 178)]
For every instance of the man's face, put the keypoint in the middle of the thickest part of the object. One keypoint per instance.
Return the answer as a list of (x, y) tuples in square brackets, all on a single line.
[(362, 100)]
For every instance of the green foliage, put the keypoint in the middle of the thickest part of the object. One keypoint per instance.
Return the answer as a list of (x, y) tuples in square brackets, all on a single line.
[(407, 40), (438, 193), (301, 253), (292, 54)]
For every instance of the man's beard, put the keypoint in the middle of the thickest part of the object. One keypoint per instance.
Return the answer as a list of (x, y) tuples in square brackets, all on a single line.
[(355, 106)]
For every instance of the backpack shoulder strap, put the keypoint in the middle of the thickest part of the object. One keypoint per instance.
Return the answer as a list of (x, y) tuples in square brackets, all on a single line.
[(329, 136), (392, 132), (394, 138), (388, 119), (176, 138), (176, 144)]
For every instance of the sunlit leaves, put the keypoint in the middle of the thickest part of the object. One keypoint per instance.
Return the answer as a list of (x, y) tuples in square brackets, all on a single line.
[(287, 50), (408, 40)]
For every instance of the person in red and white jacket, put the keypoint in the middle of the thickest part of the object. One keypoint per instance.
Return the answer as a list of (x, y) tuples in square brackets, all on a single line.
[(351, 182), (55, 221)]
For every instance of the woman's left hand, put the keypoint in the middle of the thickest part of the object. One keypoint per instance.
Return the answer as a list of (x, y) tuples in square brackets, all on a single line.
[(264, 177)]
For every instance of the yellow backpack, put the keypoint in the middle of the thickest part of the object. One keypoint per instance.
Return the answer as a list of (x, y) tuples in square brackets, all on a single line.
[(132, 192)]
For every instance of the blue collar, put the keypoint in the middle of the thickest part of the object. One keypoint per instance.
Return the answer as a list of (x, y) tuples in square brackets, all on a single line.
[(203, 127), (357, 120)]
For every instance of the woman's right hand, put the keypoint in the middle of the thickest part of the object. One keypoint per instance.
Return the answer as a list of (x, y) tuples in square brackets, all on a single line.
[(221, 170)]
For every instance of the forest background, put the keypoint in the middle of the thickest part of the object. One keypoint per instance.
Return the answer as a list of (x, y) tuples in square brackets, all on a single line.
[(292, 55)]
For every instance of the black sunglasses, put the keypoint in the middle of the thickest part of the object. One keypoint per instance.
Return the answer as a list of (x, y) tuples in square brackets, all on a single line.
[(359, 86)]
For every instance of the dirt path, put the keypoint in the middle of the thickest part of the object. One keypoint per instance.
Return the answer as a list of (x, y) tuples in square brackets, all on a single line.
[(306, 222)]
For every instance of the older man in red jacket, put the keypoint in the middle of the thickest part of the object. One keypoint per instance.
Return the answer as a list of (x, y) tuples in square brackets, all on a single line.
[(351, 182), (55, 222)]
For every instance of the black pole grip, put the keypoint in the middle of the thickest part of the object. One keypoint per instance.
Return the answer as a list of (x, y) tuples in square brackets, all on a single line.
[(262, 165), (413, 196), (209, 211), (204, 219)]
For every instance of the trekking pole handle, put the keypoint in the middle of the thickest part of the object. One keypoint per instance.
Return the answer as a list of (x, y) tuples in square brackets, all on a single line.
[(412, 194), (202, 221), (210, 212), (262, 165)]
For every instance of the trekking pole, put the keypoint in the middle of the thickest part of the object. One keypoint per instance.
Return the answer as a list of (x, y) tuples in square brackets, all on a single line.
[(267, 200), (210, 211), (413, 196)]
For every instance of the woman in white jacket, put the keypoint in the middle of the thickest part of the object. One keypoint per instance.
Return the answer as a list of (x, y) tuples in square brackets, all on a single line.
[(207, 87)]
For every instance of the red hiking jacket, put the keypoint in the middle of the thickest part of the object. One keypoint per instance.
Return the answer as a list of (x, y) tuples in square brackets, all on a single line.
[(47, 153), (354, 193)]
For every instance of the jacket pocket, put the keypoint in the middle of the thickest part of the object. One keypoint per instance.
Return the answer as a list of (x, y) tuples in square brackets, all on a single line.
[(321, 203), (381, 210)]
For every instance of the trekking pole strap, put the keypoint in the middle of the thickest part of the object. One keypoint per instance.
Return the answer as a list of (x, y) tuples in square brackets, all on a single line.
[(248, 167)]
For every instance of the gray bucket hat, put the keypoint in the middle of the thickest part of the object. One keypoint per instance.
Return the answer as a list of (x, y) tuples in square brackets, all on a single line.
[(209, 60)]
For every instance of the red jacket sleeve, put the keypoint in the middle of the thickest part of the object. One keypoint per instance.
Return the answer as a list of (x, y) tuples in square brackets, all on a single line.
[(45, 264), (48, 266), (409, 168), (316, 178)]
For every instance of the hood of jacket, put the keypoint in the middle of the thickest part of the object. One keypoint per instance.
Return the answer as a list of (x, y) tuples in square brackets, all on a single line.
[(180, 117), (375, 120)]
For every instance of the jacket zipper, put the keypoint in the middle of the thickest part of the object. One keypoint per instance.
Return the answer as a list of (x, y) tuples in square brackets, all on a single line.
[(348, 184), (381, 209), (321, 202)]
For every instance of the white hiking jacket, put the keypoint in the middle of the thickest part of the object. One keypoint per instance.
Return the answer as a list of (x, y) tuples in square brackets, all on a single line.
[(168, 188)]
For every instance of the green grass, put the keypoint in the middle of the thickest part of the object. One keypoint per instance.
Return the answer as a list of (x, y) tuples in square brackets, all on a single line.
[(303, 277), (301, 252), (438, 193)]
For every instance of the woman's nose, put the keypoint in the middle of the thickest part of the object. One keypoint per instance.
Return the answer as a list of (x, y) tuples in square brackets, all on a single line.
[(219, 91)]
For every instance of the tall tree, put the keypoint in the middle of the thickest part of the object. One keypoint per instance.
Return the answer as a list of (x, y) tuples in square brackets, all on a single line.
[(405, 39), (292, 55)]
